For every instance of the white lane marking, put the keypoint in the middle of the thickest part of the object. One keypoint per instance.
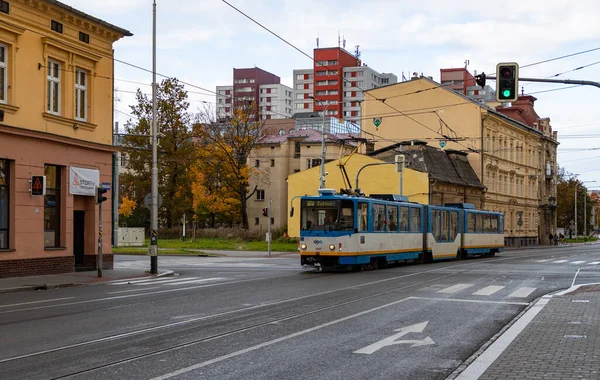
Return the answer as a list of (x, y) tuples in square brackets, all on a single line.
[(560, 261), (542, 261), (488, 290), (29, 303), (134, 290), (274, 341), (482, 363), (149, 280), (455, 288), (522, 292), (198, 281), (391, 340), (577, 262), (594, 263)]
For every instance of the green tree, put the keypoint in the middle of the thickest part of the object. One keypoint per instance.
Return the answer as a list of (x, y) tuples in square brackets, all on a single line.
[(176, 151)]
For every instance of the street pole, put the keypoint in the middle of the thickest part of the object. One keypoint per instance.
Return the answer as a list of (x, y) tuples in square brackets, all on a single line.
[(115, 189), (153, 249), (99, 263), (575, 210), (584, 216), (322, 183), (269, 228)]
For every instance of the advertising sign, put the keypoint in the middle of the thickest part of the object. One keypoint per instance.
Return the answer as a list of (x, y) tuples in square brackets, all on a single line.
[(83, 181)]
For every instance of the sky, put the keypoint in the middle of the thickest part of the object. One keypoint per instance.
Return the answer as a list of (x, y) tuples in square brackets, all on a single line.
[(201, 41)]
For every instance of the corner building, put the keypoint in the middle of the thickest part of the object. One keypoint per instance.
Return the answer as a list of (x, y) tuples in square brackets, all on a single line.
[(56, 102)]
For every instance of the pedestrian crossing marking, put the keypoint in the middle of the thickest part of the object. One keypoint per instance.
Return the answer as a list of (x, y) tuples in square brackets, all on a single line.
[(542, 261), (198, 281), (522, 292), (454, 288), (167, 281), (560, 261), (594, 263), (488, 290), (577, 262)]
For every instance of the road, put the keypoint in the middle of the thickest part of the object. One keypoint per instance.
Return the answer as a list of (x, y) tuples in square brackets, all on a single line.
[(259, 318)]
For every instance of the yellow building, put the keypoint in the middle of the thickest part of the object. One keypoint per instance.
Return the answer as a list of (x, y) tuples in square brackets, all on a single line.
[(376, 177), (56, 101), (509, 155)]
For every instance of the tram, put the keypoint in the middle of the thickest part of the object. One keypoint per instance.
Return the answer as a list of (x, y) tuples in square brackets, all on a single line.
[(340, 230)]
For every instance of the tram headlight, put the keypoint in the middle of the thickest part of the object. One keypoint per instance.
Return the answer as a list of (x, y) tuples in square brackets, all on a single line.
[(331, 246), (303, 246)]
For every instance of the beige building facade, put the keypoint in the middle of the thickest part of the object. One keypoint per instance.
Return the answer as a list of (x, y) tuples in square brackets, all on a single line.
[(509, 155), (56, 104)]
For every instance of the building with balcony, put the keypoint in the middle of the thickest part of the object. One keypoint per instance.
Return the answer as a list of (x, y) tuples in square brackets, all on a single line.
[(56, 106), (337, 81), (254, 85)]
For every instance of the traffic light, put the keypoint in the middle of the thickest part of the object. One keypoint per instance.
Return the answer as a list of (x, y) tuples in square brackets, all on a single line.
[(266, 211), (507, 82), (399, 161), (100, 194), (480, 80)]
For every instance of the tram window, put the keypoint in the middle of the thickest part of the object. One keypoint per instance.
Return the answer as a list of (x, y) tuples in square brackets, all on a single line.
[(378, 217), (435, 224), (501, 224), (479, 222), (471, 222), (346, 217), (363, 217), (487, 223), (494, 224), (403, 218), (445, 226), (392, 213), (415, 219), (453, 225)]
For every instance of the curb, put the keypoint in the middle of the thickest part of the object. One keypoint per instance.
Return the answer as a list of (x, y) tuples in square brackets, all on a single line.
[(73, 284)]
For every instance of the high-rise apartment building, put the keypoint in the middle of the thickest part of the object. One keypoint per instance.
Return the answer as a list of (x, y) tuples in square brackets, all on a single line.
[(255, 85), (336, 81)]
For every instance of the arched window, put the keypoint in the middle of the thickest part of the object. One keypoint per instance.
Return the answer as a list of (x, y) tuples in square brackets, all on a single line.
[(281, 132)]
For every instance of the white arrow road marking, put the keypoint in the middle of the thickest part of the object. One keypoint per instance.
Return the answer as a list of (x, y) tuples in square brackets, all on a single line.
[(416, 328)]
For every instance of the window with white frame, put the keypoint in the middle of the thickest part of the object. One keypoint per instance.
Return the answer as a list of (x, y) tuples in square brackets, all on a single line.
[(53, 87), (260, 195), (81, 94), (3, 73)]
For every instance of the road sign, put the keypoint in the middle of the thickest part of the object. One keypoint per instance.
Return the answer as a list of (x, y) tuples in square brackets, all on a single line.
[(148, 200), (105, 185), (377, 121), (442, 144)]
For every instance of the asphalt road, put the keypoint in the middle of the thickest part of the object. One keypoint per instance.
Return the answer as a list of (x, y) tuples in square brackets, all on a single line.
[(266, 318)]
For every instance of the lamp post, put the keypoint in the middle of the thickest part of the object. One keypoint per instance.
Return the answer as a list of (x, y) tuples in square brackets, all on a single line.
[(584, 213), (322, 178)]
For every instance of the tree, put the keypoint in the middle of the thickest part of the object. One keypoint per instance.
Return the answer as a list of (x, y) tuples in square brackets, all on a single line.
[(224, 149), (176, 151), (127, 207), (212, 201)]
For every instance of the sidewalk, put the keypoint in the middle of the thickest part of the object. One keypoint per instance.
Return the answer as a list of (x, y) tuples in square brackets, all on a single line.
[(16, 284), (555, 338)]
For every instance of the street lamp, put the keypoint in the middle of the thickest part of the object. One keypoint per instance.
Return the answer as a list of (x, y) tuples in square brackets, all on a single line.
[(322, 178), (584, 213)]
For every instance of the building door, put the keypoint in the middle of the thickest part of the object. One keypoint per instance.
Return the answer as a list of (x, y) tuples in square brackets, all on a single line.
[(78, 237)]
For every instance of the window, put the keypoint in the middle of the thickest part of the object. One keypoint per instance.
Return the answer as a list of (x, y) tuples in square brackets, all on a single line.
[(471, 223), (84, 37), (272, 221), (272, 162), (53, 87), (52, 206), (415, 220), (124, 160), (392, 217), (453, 225), (260, 195), (281, 132), (445, 225), (4, 202), (436, 221), (378, 217), (80, 95), (363, 217), (404, 218), (3, 73), (256, 163), (56, 26), (256, 221), (4, 7)]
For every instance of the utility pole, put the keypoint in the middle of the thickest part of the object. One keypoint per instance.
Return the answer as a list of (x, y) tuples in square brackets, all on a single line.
[(269, 228), (153, 249), (99, 263), (115, 189)]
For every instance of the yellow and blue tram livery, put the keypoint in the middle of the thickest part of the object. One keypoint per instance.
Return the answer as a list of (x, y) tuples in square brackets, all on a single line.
[(356, 231)]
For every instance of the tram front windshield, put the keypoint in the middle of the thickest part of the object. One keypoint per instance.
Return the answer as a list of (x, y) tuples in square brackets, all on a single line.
[(327, 215)]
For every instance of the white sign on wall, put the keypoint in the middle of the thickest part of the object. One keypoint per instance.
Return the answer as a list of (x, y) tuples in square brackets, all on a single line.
[(83, 181)]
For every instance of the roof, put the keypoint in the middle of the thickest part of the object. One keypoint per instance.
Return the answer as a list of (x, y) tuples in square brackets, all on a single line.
[(91, 18), (450, 166), (482, 105), (310, 136)]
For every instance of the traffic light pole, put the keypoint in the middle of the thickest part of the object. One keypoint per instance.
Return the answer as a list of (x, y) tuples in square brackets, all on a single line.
[(153, 248), (269, 228), (99, 264), (563, 81)]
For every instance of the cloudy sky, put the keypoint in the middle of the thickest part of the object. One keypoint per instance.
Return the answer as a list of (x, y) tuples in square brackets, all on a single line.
[(200, 41)]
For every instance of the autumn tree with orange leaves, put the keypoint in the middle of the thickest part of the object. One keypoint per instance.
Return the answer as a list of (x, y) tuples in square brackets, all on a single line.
[(222, 175)]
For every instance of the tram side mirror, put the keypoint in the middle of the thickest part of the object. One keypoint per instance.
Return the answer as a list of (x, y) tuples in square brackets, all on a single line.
[(292, 211)]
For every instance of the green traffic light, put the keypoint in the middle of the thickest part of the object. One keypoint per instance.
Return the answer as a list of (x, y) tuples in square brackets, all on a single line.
[(506, 93)]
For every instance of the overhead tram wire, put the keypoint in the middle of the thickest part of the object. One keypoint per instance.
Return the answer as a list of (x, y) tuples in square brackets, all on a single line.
[(344, 79)]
